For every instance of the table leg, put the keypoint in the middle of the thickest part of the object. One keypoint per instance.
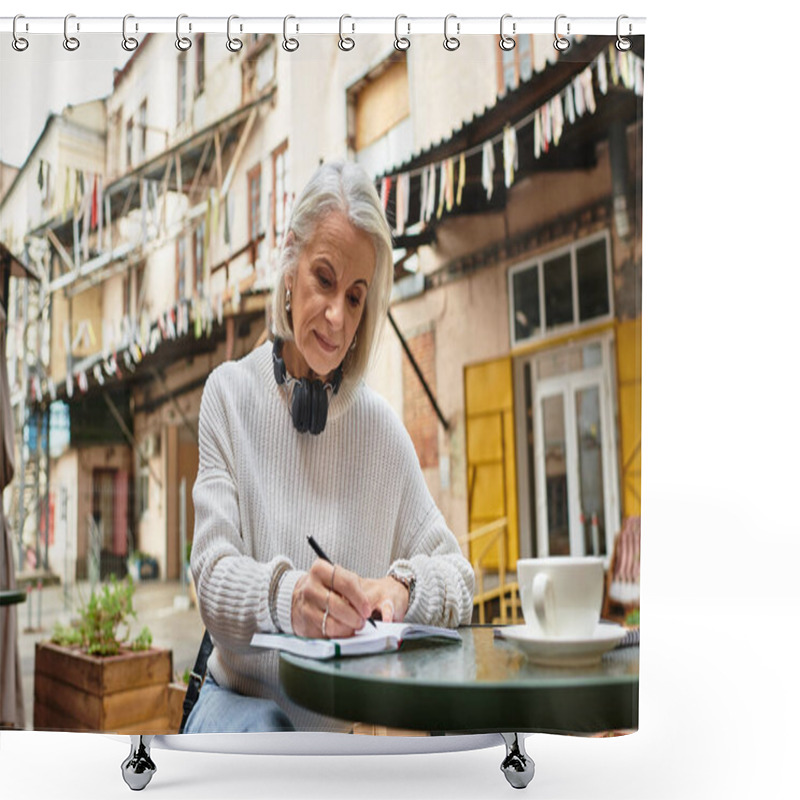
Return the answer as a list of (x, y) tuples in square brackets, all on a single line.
[(517, 766), (138, 768)]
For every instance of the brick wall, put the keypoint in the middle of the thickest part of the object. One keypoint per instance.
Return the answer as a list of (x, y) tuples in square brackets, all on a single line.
[(418, 415)]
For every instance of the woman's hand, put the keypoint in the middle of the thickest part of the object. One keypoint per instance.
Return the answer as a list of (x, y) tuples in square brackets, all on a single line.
[(329, 601), (387, 596)]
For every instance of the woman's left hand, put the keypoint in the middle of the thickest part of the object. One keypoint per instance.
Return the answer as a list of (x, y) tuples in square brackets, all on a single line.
[(387, 596)]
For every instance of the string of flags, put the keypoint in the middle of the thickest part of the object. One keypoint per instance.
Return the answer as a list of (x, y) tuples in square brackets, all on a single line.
[(441, 185), (124, 346)]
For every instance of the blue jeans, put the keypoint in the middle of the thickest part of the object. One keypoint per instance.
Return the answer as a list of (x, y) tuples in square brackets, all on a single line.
[(219, 710)]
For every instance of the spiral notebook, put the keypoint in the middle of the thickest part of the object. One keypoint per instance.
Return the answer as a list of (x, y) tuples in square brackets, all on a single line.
[(385, 637)]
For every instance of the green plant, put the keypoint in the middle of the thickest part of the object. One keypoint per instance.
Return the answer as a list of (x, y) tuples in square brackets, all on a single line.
[(143, 641), (632, 620), (101, 618), (66, 635)]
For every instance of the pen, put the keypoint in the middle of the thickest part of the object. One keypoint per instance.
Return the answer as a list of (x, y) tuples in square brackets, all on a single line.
[(321, 553)]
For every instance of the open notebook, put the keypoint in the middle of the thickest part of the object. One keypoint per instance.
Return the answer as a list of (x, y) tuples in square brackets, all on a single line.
[(384, 637)]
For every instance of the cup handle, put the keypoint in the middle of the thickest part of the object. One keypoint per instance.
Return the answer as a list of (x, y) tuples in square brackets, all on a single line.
[(543, 602)]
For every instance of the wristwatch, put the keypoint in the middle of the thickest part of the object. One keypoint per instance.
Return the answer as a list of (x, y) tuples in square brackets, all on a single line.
[(405, 576)]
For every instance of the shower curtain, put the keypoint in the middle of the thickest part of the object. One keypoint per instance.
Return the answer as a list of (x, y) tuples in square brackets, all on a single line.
[(149, 187)]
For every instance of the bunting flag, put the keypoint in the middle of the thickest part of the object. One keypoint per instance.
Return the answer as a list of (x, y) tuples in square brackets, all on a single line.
[(449, 197), (510, 156), (549, 120), (487, 169), (442, 189), (462, 177)]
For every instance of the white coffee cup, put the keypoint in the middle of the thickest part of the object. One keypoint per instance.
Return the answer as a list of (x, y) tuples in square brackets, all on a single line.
[(562, 595)]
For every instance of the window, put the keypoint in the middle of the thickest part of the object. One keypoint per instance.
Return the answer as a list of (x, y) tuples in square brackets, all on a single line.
[(280, 197), (254, 203), (143, 129), (180, 268), (143, 493), (379, 116), (200, 71), (566, 288), (129, 143), (198, 252), (515, 66), (182, 100)]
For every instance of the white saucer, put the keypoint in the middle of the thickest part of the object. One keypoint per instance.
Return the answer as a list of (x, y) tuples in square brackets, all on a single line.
[(565, 651)]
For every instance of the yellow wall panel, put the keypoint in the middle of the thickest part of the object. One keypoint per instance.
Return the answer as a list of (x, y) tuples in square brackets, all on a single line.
[(491, 459), (629, 393)]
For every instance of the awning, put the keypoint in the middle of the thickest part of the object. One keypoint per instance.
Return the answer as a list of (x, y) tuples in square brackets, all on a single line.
[(575, 150)]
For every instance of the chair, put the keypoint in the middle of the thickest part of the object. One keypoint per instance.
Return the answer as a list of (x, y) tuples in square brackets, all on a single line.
[(621, 595), (486, 540)]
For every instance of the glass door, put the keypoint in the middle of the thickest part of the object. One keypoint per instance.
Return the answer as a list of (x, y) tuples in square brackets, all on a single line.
[(577, 502)]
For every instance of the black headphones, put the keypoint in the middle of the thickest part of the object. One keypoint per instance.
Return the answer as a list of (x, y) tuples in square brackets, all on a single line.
[(309, 401)]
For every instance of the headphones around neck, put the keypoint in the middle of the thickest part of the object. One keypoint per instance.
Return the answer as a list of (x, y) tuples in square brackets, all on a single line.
[(309, 397)]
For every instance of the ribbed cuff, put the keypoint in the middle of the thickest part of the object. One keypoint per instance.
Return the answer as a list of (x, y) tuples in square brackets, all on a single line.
[(285, 591)]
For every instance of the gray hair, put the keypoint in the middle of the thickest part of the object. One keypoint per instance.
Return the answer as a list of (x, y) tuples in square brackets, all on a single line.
[(346, 188)]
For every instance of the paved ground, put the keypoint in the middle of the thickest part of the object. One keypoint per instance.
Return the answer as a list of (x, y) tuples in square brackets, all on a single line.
[(161, 605)]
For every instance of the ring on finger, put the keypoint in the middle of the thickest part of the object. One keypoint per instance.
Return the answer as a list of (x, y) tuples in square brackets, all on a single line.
[(325, 615), (333, 575)]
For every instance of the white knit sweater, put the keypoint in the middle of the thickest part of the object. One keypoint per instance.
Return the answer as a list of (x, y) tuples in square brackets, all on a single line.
[(262, 487)]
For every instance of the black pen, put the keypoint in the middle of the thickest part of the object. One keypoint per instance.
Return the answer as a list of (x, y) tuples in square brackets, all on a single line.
[(321, 553)]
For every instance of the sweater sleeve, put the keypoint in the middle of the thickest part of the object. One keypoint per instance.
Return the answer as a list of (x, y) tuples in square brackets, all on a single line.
[(444, 579), (237, 595)]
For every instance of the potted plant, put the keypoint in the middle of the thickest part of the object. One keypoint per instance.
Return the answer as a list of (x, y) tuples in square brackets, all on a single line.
[(92, 676)]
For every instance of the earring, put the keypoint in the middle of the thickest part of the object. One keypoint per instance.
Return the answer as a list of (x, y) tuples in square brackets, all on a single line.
[(288, 305), (354, 342)]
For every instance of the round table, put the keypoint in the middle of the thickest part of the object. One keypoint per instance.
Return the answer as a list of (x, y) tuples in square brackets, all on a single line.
[(485, 684)]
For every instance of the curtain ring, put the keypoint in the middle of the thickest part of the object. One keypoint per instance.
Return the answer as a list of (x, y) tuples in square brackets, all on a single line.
[(71, 43), (623, 43), (345, 42), (289, 44), (233, 44), (401, 42), (183, 43), (507, 42), (19, 43), (129, 43), (451, 42), (560, 43)]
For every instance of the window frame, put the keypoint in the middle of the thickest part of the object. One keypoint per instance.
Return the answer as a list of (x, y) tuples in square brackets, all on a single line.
[(280, 152), (143, 129), (254, 203), (129, 137), (198, 243), (542, 332)]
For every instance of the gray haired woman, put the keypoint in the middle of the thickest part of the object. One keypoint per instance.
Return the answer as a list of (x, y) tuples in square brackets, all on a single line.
[(293, 443)]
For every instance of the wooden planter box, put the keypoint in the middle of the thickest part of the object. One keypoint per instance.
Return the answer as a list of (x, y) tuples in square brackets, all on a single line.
[(126, 693), (176, 694)]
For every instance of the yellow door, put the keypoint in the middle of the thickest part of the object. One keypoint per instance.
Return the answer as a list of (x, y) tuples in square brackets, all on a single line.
[(629, 370), (491, 465)]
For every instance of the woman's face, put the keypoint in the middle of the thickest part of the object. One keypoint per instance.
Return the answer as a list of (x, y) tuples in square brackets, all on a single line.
[(329, 289)]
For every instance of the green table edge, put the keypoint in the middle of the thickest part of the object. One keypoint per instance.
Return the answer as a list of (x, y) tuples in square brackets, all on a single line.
[(10, 598), (483, 708)]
